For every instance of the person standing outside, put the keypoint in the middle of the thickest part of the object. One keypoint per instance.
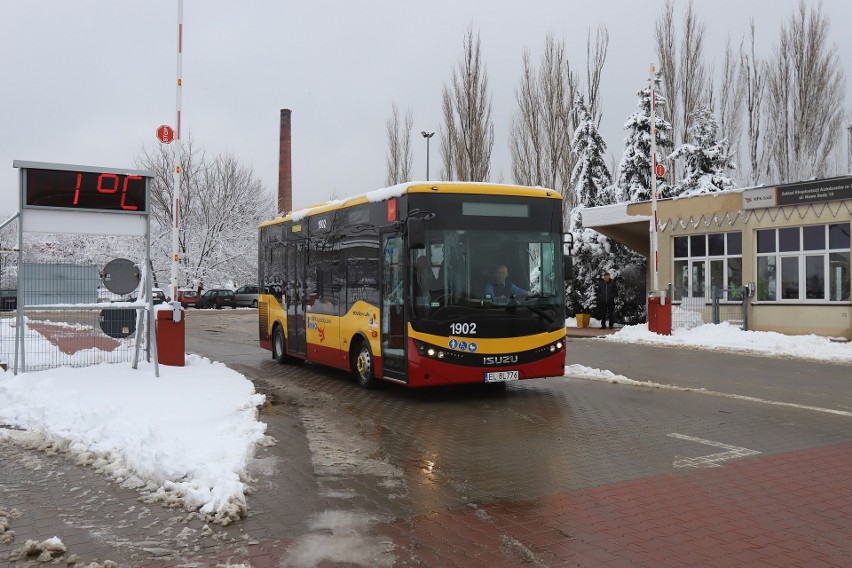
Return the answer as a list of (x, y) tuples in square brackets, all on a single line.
[(607, 290)]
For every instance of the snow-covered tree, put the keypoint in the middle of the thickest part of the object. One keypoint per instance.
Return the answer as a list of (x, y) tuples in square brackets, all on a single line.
[(222, 203), (592, 255), (8, 254), (590, 177), (634, 184), (634, 172), (590, 180), (705, 159)]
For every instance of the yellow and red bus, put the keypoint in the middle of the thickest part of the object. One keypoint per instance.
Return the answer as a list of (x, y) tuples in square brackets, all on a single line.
[(398, 284)]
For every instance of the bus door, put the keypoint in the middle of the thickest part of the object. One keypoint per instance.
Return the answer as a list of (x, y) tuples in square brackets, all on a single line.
[(296, 298), (393, 326)]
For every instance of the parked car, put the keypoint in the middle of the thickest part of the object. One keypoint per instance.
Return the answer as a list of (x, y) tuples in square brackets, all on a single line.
[(218, 298), (189, 298), (247, 296), (158, 295)]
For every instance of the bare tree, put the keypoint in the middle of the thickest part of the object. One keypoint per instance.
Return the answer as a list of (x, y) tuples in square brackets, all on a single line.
[(399, 158), (542, 127), (805, 93), (731, 97), (595, 59), (665, 35), (693, 71), (222, 203), (467, 136), (753, 75), (526, 135), (540, 134), (685, 76)]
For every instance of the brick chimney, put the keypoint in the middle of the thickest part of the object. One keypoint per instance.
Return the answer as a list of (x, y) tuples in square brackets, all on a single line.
[(285, 168)]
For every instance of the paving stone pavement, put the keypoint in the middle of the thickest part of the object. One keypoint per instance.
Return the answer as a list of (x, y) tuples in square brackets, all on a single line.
[(789, 509), (544, 474), (783, 509)]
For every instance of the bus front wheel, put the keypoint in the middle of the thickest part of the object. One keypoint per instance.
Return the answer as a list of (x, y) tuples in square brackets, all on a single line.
[(362, 366)]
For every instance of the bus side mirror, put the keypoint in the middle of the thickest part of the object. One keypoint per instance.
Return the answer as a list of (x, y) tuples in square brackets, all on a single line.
[(416, 233), (568, 259)]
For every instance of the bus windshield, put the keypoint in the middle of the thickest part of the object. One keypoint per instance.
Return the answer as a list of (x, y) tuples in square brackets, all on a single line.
[(487, 271)]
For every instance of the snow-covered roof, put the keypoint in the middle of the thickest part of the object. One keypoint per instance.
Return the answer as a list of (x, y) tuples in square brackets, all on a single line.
[(398, 190), (615, 214)]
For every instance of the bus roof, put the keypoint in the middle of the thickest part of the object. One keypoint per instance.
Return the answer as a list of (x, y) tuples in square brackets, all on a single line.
[(469, 187)]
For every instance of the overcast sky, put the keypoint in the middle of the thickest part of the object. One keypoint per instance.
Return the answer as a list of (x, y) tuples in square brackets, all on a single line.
[(89, 81)]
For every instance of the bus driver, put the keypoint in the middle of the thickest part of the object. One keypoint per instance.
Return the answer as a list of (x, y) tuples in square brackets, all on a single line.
[(501, 289)]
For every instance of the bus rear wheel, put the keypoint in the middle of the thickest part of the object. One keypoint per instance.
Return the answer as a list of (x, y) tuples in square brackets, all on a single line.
[(362, 366), (279, 345)]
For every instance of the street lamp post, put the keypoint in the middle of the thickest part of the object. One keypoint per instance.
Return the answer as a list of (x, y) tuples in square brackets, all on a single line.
[(849, 167), (427, 136)]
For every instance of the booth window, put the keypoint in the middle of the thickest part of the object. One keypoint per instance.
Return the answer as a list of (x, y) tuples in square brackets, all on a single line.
[(702, 262), (803, 264)]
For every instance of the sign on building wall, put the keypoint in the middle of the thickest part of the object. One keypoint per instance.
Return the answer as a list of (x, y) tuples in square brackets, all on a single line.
[(794, 193), (759, 197)]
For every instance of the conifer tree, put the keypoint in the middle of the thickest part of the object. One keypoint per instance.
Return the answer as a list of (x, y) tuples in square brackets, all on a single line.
[(590, 180), (705, 158), (590, 177), (634, 172)]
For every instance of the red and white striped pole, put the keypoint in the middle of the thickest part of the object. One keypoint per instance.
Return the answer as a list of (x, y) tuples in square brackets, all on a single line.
[(655, 254), (176, 183)]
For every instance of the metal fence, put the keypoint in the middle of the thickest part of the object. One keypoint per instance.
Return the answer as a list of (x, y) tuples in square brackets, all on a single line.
[(69, 337), (60, 315), (722, 305)]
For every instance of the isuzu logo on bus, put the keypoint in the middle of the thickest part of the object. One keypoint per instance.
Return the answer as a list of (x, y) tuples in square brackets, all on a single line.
[(499, 359)]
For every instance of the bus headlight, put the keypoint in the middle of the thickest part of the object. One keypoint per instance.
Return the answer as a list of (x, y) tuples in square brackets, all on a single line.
[(430, 352), (559, 345), (440, 354)]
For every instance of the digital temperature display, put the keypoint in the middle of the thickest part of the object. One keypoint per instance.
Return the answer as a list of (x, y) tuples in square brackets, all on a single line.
[(85, 190)]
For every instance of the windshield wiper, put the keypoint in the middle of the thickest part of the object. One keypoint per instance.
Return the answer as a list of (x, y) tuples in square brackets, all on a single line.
[(538, 311)]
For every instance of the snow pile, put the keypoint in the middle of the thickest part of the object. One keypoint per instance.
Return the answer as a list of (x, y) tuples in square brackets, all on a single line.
[(45, 551), (7, 535), (184, 438), (727, 337)]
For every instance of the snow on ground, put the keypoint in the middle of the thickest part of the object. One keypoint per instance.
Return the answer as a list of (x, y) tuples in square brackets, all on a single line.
[(730, 338), (184, 438)]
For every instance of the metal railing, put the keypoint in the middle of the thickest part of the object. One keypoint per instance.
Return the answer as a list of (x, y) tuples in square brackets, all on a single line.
[(58, 317), (721, 305), (72, 336)]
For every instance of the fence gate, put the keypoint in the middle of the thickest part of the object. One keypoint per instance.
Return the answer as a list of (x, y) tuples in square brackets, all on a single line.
[(722, 304)]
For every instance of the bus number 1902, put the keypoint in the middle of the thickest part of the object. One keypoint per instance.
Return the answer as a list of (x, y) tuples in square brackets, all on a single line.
[(463, 328)]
